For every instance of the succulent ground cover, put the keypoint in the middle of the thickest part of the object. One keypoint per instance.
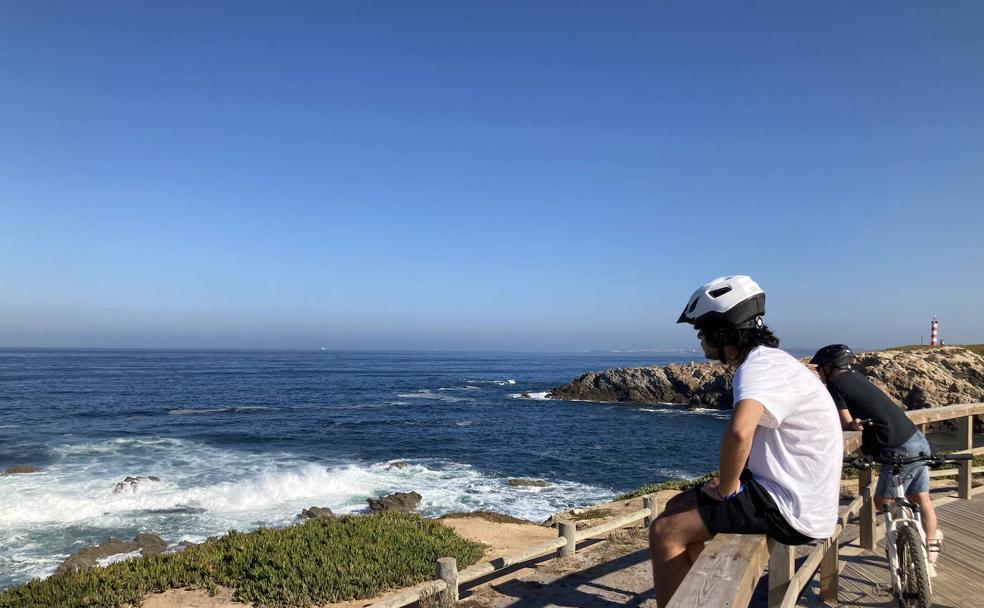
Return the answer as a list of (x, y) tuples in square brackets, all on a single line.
[(323, 560)]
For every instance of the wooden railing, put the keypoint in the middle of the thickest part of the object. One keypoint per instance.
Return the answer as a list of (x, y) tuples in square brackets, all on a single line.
[(449, 578), (728, 569), (730, 565)]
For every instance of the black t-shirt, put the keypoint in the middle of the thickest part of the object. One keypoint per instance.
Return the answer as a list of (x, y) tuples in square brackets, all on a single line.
[(891, 427)]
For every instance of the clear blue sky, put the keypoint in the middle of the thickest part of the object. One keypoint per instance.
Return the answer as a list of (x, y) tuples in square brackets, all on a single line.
[(486, 175)]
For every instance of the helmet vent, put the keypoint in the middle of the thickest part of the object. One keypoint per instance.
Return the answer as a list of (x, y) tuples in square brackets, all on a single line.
[(717, 293), (692, 306)]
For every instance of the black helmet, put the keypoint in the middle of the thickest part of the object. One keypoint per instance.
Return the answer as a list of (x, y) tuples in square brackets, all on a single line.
[(838, 355)]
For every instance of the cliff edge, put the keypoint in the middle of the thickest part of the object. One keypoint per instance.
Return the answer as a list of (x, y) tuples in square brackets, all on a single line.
[(915, 379)]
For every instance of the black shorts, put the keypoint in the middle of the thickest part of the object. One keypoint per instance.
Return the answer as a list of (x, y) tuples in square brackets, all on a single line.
[(751, 512)]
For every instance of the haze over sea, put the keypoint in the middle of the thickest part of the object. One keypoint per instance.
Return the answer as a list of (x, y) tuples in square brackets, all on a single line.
[(241, 439)]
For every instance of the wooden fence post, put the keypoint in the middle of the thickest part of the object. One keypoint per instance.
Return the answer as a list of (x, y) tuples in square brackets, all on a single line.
[(866, 517), (830, 573), (965, 433), (568, 530), (782, 565), (447, 571), (649, 502)]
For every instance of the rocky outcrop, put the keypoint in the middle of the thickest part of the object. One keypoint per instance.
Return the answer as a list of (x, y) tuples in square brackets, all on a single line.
[(693, 384), (130, 484), (87, 557), (19, 469), (532, 483), (403, 502), (926, 377), (915, 378), (315, 512)]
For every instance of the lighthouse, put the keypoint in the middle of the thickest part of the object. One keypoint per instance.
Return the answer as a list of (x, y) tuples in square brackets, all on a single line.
[(934, 332)]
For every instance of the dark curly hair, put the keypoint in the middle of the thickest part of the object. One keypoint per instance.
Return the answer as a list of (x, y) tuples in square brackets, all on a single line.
[(748, 339), (744, 340)]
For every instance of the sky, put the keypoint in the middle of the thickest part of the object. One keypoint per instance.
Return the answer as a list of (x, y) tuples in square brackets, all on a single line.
[(486, 175)]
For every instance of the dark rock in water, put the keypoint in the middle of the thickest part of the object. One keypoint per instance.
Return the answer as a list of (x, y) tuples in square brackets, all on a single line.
[(399, 465), (315, 512), (695, 384), (150, 544), (130, 483), (403, 502), (87, 557), (536, 483), (915, 378), (19, 469)]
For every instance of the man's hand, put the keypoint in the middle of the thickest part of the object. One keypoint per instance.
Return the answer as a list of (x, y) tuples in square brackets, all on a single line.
[(710, 488), (858, 424), (713, 489)]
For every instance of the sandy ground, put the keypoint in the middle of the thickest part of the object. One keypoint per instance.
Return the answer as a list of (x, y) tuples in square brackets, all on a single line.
[(620, 567)]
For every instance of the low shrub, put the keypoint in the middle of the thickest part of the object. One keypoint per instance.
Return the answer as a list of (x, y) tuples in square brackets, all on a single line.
[(672, 484), (323, 560)]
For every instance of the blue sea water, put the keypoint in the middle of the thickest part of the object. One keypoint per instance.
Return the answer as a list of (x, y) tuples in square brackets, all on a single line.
[(241, 439)]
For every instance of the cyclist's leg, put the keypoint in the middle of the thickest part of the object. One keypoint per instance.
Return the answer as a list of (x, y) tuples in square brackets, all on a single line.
[(928, 514), (678, 527)]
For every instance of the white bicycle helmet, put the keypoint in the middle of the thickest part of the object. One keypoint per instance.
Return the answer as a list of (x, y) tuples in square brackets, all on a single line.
[(736, 301)]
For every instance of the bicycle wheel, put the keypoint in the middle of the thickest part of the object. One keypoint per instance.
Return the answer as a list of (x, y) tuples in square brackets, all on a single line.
[(912, 569)]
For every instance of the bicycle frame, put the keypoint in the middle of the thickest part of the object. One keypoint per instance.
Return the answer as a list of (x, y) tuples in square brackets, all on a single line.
[(900, 512)]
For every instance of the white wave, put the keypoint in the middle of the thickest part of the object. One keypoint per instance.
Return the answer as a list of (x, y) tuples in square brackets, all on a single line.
[(9, 426), (119, 557), (427, 394), (464, 423), (535, 395), (498, 382), (205, 491)]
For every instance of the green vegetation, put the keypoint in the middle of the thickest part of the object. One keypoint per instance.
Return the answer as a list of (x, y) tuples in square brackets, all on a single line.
[(498, 518), (673, 484), (975, 348), (323, 560), (588, 514)]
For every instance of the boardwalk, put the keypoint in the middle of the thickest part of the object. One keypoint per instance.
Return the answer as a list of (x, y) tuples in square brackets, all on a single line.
[(960, 582)]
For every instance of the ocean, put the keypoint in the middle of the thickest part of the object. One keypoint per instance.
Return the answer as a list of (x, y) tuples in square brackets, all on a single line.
[(243, 439)]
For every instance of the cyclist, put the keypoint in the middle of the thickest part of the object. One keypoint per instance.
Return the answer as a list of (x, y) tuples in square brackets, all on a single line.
[(885, 431), (783, 428)]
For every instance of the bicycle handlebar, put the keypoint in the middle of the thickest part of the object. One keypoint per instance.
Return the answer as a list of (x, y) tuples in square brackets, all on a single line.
[(865, 463)]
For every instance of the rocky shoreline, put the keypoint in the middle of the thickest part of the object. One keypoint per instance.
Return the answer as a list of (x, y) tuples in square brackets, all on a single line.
[(915, 379)]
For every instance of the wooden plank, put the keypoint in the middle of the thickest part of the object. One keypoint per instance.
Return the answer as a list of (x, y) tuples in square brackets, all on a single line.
[(782, 565), (615, 524), (936, 414), (725, 574), (480, 570), (965, 432), (411, 595)]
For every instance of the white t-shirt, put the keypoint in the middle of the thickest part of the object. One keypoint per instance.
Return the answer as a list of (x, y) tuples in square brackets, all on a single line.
[(798, 447)]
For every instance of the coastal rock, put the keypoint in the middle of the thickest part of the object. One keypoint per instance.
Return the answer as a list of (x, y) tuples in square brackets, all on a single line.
[(693, 384), (404, 502), (315, 512), (87, 557), (928, 377), (129, 485), (536, 483), (19, 469), (914, 378)]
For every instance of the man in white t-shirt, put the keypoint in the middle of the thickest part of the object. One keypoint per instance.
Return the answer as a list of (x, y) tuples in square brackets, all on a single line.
[(781, 455)]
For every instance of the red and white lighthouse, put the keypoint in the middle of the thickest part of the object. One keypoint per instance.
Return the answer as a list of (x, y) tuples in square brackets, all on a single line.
[(934, 332)]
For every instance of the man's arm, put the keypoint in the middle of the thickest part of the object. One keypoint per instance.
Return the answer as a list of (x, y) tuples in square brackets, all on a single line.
[(847, 422), (736, 443)]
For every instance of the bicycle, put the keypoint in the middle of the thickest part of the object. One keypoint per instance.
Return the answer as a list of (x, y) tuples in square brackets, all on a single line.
[(905, 540)]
